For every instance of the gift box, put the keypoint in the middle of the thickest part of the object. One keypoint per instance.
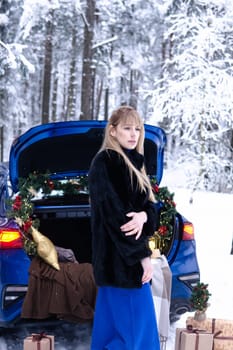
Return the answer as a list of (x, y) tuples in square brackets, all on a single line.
[(222, 330), (40, 341), (193, 339), (223, 343)]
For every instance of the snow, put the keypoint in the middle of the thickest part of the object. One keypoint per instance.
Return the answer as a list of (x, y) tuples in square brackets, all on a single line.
[(211, 214)]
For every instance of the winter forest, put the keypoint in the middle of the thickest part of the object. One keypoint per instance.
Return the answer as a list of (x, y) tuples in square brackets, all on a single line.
[(170, 59)]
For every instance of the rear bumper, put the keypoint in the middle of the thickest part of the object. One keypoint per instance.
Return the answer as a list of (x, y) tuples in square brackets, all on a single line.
[(185, 275), (11, 295), (11, 305), (13, 284), (179, 307)]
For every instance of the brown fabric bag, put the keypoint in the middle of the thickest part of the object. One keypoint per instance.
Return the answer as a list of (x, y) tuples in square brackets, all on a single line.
[(69, 293)]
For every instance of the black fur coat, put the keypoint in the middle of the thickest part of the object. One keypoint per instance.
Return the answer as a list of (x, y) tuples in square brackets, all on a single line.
[(116, 257)]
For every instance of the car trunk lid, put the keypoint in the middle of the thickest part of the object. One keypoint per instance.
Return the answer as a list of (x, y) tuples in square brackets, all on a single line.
[(65, 150)]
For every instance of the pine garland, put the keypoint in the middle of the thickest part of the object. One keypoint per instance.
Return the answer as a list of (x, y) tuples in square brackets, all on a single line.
[(167, 209), (44, 184), (22, 207)]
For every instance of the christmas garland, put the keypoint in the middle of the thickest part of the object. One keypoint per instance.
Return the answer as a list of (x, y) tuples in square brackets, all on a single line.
[(35, 187), (167, 212), (44, 185)]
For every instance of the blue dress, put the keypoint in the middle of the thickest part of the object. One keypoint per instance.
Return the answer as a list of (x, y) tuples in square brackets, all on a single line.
[(125, 319)]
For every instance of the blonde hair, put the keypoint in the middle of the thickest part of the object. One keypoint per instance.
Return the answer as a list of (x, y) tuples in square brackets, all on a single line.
[(125, 114)]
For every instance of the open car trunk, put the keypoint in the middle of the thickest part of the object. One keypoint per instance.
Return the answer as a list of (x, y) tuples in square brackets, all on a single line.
[(65, 151), (67, 227)]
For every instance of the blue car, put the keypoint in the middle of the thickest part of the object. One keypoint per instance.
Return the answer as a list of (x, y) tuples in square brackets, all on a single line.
[(65, 150)]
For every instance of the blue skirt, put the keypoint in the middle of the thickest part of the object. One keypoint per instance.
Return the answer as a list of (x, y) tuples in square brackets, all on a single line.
[(125, 320)]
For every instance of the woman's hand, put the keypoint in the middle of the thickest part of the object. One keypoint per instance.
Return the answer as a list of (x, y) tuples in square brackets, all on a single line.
[(135, 225), (147, 270)]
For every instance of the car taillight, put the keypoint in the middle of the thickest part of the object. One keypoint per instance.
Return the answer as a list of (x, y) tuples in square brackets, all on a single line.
[(10, 239), (188, 231)]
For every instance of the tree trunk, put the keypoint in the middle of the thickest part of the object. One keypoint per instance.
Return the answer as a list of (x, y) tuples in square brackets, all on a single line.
[(134, 78), (54, 100), (47, 70), (87, 85), (122, 84), (72, 87), (98, 98), (106, 100), (4, 6)]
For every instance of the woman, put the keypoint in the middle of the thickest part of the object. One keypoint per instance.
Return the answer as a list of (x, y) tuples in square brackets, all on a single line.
[(123, 217)]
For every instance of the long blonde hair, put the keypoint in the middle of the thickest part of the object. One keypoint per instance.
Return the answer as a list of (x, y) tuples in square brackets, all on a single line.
[(127, 114)]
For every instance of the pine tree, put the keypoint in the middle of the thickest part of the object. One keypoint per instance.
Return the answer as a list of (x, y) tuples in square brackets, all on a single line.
[(200, 296)]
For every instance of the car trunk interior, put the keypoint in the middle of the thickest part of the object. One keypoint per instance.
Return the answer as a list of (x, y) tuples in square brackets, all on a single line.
[(68, 232)]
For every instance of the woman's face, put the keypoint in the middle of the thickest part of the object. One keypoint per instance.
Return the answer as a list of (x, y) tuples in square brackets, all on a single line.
[(127, 134)]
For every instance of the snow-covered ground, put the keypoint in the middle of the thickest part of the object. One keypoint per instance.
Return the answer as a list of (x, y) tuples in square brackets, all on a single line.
[(211, 214)]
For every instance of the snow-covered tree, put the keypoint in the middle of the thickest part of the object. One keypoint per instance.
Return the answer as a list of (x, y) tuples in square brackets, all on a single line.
[(129, 58), (14, 68), (194, 98), (178, 50)]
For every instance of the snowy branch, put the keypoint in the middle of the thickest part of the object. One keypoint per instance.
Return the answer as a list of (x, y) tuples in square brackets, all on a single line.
[(114, 38), (10, 54)]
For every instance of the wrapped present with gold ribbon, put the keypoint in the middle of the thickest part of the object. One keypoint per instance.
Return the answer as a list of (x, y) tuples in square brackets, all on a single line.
[(193, 339), (40, 341), (222, 330)]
